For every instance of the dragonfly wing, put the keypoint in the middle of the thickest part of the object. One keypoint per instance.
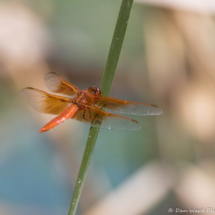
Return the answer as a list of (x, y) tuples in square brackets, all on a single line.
[(100, 118), (126, 107), (57, 85), (44, 102)]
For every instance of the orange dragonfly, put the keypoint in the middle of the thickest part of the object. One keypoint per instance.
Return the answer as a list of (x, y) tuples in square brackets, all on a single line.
[(84, 105)]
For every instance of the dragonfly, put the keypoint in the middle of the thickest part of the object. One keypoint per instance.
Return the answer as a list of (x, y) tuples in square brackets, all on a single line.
[(84, 105)]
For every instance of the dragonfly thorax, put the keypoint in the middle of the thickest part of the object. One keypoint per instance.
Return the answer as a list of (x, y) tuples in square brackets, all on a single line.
[(83, 97)]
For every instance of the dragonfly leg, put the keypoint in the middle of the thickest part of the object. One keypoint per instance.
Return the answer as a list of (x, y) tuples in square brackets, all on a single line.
[(91, 115), (100, 106), (84, 116), (97, 120)]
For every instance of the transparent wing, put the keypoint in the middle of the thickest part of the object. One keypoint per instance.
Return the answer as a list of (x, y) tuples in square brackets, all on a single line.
[(57, 85), (44, 102), (126, 107), (97, 117)]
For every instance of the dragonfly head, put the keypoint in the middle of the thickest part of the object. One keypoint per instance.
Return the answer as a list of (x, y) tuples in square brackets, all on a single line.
[(95, 90)]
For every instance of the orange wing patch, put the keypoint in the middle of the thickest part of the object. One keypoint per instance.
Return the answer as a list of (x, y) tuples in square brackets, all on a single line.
[(44, 102)]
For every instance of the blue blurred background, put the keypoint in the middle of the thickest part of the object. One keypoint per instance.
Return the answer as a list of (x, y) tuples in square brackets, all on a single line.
[(167, 59)]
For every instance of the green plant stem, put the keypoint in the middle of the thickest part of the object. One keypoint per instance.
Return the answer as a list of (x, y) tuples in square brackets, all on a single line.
[(116, 46), (106, 84)]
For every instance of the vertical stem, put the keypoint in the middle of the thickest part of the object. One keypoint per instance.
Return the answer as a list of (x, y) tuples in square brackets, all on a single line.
[(106, 84), (88, 152), (116, 46)]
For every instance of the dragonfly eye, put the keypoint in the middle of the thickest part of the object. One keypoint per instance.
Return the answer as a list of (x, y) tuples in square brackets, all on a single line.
[(95, 90), (98, 91)]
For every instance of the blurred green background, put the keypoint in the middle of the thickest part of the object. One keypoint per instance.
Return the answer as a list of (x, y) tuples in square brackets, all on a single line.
[(167, 59)]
